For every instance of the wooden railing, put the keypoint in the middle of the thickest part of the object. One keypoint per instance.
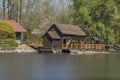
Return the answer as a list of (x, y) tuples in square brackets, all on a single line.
[(84, 46)]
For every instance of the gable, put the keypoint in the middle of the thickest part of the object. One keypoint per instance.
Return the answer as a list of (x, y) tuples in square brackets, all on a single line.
[(54, 28)]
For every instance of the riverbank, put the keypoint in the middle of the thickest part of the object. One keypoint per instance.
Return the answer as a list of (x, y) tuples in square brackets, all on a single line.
[(27, 49), (80, 52), (23, 48)]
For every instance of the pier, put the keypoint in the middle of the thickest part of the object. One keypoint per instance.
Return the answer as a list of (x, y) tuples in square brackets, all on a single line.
[(84, 46)]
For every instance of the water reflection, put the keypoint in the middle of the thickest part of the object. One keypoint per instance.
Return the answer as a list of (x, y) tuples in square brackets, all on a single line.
[(59, 67)]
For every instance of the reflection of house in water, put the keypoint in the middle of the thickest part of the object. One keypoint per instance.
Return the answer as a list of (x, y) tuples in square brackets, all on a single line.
[(61, 34), (19, 30)]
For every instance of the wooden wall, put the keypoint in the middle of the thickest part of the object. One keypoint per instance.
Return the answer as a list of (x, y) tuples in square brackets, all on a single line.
[(56, 44), (47, 42)]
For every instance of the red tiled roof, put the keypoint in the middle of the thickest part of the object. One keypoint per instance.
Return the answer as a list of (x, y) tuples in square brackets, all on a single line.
[(16, 26)]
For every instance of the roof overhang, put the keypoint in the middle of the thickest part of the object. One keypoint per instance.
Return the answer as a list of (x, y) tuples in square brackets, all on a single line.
[(16, 26)]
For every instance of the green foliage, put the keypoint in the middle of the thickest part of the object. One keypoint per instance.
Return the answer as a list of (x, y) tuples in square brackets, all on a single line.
[(6, 31), (100, 18), (8, 43), (7, 36)]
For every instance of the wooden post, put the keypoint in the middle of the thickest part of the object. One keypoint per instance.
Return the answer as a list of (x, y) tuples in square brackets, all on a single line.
[(80, 46), (72, 45), (21, 37)]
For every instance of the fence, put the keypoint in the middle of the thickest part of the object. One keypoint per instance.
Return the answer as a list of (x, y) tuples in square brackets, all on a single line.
[(84, 46)]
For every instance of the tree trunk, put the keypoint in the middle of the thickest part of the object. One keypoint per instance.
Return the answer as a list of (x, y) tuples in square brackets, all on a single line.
[(9, 9), (3, 5), (20, 10)]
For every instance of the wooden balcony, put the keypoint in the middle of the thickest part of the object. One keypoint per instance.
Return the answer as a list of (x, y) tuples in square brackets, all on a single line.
[(84, 46)]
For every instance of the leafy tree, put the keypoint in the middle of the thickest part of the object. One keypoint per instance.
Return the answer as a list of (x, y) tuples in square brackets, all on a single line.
[(98, 18)]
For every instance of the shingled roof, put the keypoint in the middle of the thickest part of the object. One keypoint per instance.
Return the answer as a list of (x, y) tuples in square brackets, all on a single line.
[(53, 34), (16, 26), (70, 29)]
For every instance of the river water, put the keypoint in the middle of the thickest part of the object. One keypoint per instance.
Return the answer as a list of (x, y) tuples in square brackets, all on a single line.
[(59, 67)]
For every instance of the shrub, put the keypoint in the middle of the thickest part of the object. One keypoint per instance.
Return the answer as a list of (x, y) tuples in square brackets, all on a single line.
[(7, 36)]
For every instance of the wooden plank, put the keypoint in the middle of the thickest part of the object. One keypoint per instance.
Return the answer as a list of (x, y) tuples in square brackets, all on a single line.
[(85, 46)]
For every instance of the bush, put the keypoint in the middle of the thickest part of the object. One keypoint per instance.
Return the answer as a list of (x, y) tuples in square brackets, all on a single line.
[(7, 36), (8, 43)]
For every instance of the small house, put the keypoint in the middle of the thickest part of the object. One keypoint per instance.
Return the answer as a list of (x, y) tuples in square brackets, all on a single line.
[(61, 34), (19, 30)]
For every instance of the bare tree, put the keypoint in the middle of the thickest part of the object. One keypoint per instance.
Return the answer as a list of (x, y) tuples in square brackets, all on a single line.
[(3, 6)]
